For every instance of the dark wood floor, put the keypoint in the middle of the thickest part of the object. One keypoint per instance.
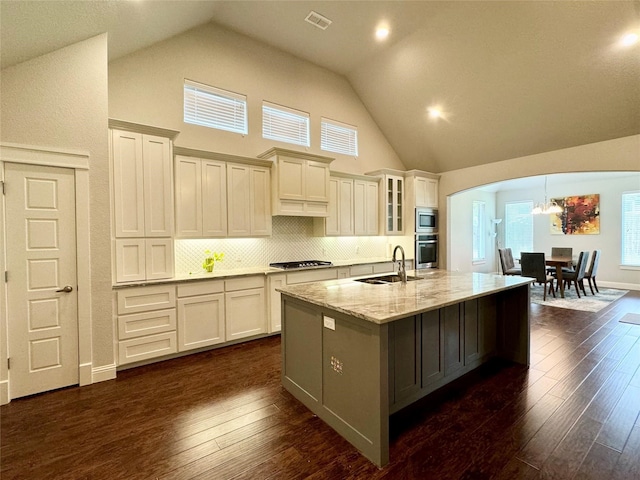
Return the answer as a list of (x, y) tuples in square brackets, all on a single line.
[(223, 414)]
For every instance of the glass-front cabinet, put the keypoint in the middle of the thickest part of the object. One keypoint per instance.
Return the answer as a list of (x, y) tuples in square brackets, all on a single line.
[(392, 199)]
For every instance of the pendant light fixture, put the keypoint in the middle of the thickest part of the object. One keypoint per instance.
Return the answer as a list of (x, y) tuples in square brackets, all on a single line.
[(546, 208)]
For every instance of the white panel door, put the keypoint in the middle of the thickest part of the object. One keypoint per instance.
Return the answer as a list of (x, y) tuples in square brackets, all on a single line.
[(128, 184), (158, 181), (291, 179), (214, 199), (130, 259), (158, 258), (41, 290), (372, 202), (277, 280), (188, 197), (332, 222), (360, 207)]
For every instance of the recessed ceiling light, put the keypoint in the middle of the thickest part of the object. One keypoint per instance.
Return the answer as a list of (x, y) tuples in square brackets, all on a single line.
[(629, 39), (434, 112), (382, 33)]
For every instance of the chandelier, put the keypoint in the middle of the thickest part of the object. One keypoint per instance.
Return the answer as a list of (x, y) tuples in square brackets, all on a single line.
[(546, 208)]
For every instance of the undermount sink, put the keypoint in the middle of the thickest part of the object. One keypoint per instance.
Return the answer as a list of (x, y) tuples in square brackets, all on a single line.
[(385, 279)]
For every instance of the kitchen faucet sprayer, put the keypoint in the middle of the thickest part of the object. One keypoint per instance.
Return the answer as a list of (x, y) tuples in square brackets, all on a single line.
[(402, 272)]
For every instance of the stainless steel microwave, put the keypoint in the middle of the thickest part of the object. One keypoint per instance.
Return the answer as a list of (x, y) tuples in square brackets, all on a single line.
[(426, 220)]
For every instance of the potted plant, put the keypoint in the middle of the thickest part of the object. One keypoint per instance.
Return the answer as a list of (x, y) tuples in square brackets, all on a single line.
[(210, 259)]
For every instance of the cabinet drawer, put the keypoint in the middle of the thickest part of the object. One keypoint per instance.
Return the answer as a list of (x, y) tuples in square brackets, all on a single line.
[(200, 288), (358, 270), (147, 323), (312, 276), (244, 283), (143, 348), (386, 267), (145, 299)]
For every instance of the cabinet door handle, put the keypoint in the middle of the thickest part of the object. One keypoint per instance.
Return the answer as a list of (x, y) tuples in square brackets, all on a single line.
[(66, 289)]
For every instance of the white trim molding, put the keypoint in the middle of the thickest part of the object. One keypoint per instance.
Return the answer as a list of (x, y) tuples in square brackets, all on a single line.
[(104, 373), (52, 157), (620, 286), (4, 392)]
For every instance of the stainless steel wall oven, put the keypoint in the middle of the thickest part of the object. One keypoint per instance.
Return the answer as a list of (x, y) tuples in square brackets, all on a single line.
[(426, 251)]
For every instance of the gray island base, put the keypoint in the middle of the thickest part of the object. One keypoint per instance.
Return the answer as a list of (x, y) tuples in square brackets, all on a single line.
[(354, 352)]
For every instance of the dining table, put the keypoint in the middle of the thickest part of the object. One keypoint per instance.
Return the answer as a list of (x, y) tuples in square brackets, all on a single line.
[(559, 262)]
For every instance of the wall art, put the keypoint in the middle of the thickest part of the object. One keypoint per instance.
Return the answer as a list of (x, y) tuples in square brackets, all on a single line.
[(580, 215)]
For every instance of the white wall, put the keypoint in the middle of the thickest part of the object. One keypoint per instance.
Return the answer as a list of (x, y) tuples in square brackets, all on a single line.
[(147, 87), (461, 227), (608, 240), (60, 100)]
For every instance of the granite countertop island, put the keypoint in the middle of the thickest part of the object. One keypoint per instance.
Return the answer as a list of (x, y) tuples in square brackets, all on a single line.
[(385, 303), (355, 352)]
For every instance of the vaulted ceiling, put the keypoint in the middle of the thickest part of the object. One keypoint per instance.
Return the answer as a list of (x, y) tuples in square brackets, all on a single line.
[(511, 78)]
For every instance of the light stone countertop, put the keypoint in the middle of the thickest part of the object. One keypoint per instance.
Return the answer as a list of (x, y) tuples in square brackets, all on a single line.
[(385, 303), (222, 273)]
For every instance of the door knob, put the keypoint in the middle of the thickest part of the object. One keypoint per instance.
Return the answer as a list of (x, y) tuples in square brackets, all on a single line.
[(66, 289)]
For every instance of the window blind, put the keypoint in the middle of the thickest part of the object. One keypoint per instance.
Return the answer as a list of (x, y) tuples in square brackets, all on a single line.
[(630, 229), (518, 227), (215, 108), (285, 124), (338, 137)]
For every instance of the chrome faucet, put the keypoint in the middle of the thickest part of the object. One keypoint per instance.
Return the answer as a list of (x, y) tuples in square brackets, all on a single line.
[(402, 272)]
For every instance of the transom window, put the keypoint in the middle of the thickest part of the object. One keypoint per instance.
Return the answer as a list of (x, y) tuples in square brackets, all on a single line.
[(285, 124), (338, 137), (215, 108)]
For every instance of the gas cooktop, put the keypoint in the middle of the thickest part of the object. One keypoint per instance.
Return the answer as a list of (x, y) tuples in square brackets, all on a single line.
[(300, 264)]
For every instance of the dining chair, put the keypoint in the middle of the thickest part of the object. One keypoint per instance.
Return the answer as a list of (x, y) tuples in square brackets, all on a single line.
[(533, 266), (593, 269), (577, 276), (507, 263), (560, 252)]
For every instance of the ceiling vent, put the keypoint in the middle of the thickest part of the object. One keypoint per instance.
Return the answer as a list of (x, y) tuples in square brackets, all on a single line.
[(317, 20)]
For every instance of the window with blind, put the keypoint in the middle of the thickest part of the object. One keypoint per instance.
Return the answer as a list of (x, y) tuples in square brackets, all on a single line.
[(285, 124), (214, 108), (518, 227), (338, 137), (479, 231), (630, 226)]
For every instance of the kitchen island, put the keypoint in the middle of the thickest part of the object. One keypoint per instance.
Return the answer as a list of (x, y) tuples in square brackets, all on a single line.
[(356, 352)]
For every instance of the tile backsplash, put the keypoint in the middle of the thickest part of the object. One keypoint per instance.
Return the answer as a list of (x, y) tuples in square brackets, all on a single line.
[(292, 239)]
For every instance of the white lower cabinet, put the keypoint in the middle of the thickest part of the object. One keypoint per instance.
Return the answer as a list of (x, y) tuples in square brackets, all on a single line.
[(201, 316), (146, 323), (246, 309)]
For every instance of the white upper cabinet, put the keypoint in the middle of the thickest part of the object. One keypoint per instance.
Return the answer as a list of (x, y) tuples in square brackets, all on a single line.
[(422, 188), (366, 207), (219, 197), (300, 183), (353, 207), (142, 184), (249, 202)]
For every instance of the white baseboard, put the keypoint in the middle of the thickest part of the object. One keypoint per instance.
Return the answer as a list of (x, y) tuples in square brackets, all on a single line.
[(620, 286), (106, 372), (4, 392), (85, 374)]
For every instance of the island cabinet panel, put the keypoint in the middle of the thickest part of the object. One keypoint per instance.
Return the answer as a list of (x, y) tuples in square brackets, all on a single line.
[(453, 339), (302, 352), (471, 332), (487, 324), (404, 351), (432, 348)]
